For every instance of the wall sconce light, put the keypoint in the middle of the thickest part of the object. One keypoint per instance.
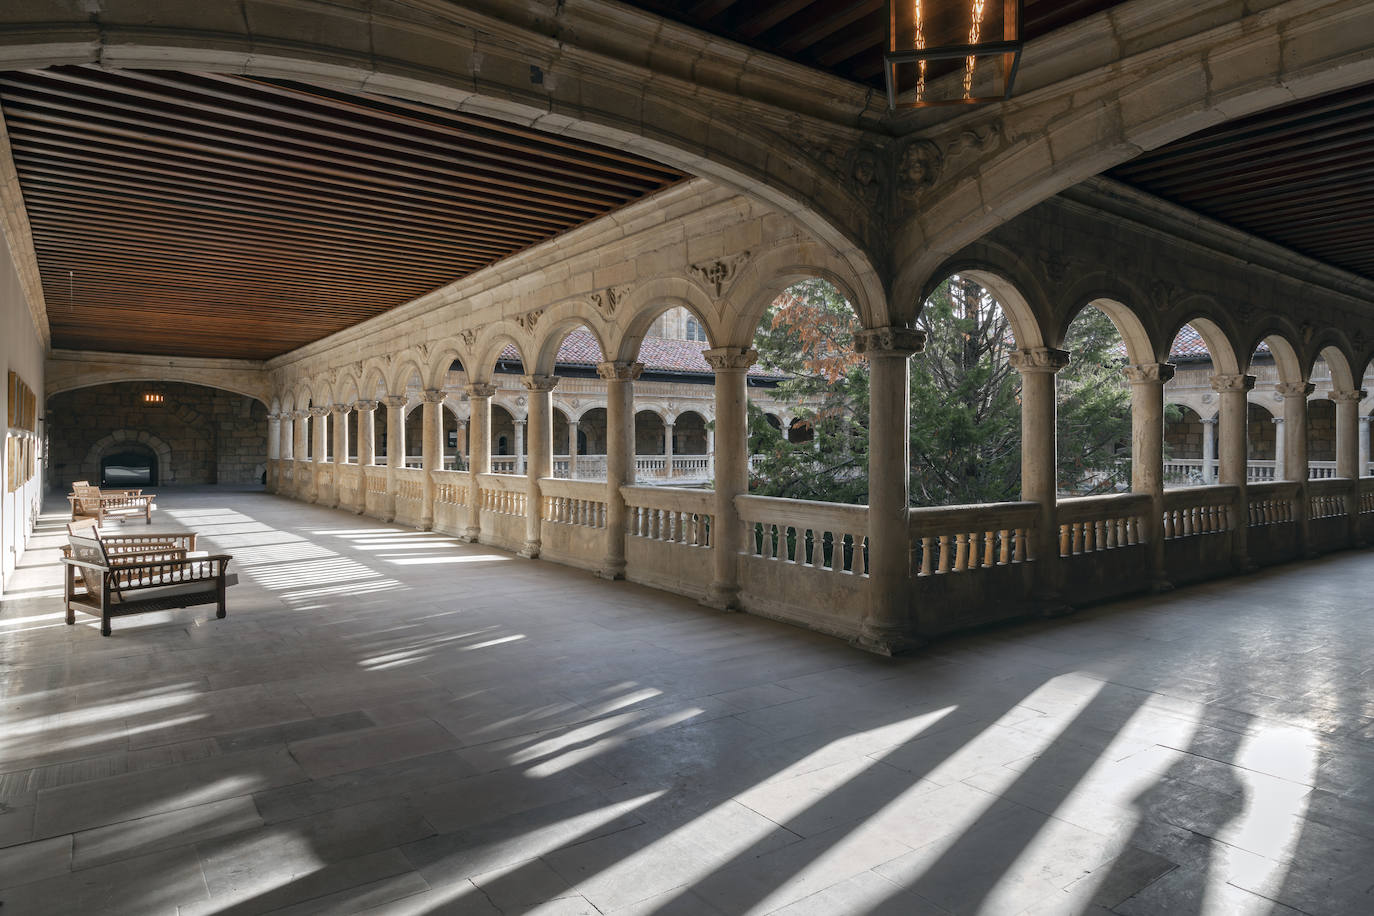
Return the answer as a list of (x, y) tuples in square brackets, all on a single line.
[(929, 41)]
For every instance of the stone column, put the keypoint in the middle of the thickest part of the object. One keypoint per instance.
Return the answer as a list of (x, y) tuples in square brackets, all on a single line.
[(572, 449), (620, 456), (519, 446), (462, 450), (367, 448), (340, 412), (711, 451), (540, 399), (1209, 450), (1280, 466), (668, 449), (1363, 465), (479, 453), (888, 627), (300, 437), (1295, 452), (431, 450), (1039, 464), (1234, 415), (319, 458), (1348, 453), (1147, 457), (273, 449), (395, 451)]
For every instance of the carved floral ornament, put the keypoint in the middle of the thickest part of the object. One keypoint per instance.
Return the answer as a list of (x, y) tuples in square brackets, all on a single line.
[(1359, 395), (433, 395), (395, 401), (718, 274), (469, 337), (364, 405), (607, 300)]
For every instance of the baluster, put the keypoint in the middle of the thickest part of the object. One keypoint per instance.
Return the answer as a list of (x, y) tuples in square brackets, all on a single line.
[(1019, 553), (960, 552), (1005, 537), (946, 555), (1076, 538), (1100, 534), (989, 548), (1065, 539)]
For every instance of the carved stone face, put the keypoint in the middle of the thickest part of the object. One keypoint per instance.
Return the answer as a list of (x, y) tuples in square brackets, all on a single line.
[(920, 163), (865, 168)]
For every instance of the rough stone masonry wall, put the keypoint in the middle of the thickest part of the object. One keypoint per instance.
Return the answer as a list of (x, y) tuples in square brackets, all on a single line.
[(214, 436)]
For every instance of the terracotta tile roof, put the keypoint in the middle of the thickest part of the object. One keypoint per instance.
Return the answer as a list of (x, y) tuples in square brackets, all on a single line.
[(1190, 347), (658, 354)]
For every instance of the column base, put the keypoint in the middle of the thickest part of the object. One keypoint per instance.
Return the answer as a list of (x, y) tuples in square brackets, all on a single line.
[(531, 550), (1160, 585), (887, 641), (1054, 607), (722, 597), (470, 535), (612, 571)]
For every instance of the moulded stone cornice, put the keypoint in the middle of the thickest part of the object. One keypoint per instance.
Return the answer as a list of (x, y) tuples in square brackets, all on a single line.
[(1224, 383)]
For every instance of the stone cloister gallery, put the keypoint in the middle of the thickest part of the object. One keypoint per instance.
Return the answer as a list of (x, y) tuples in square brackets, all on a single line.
[(440, 318)]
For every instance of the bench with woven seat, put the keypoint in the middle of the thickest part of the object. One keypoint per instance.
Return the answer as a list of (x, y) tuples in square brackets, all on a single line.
[(117, 544), (92, 502), (117, 579)]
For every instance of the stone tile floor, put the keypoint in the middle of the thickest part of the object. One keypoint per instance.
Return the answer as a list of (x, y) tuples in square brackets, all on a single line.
[(391, 722)]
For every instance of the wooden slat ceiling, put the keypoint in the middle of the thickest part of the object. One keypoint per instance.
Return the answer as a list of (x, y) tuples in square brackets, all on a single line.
[(206, 215), (844, 37), (1301, 175)]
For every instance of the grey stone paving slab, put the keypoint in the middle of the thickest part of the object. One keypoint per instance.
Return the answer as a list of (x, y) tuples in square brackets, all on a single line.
[(35, 861), (1207, 750)]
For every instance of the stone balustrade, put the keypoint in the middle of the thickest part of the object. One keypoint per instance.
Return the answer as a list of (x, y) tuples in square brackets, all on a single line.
[(1096, 523), (957, 539), (808, 563)]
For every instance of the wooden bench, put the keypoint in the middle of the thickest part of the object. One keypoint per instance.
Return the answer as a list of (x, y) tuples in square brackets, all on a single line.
[(91, 502), (157, 542), (129, 579)]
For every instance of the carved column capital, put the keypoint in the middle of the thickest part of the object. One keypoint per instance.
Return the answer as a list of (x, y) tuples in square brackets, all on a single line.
[(340, 409), (275, 417), (539, 382), (727, 359), (395, 401), (1359, 395), (480, 390), (1210, 421), (433, 395), (620, 370), (1038, 359), (897, 341), (1150, 373), (365, 405), (1225, 383), (1288, 390), (1277, 421)]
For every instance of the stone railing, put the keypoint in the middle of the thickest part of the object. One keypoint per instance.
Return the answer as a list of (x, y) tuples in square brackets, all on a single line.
[(1326, 498), (504, 464), (669, 515), (580, 503), (1366, 494), (349, 482), (451, 490), (1188, 472), (504, 494), (1198, 510), (1089, 524), (957, 539), (286, 474), (1272, 503), (375, 475), (410, 496), (829, 536)]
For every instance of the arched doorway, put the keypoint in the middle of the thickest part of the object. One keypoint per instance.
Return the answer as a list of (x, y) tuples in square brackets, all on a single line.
[(129, 465)]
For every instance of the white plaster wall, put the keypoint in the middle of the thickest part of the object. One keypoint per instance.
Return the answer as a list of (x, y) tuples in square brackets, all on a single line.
[(21, 350)]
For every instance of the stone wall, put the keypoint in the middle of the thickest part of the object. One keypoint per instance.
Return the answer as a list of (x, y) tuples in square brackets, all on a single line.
[(202, 435), (1183, 437), (1321, 430)]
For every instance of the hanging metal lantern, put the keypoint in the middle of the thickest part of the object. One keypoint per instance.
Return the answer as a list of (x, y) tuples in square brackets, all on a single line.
[(951, 52)]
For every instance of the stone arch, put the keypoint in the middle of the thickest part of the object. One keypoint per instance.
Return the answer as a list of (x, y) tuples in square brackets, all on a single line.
[(1009, 160), (1010, 295), (347, 389), (1286, 359), (405, 365), (764, 277), (90, 465), (489, 347), (446, 353), (559, 321), (1113, 297), (1219, 346), (576, 414), (647, 301), (1342, 373), (373, 375)]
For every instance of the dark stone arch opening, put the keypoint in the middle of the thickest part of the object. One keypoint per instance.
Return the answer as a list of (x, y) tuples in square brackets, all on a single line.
[(129, 465)]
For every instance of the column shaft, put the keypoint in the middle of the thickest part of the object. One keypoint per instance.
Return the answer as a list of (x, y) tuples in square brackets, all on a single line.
[(890, 625), (572, 449), (1209, 450), (395, 452), (1295, 454), (1348, 454), (620, 459), (1039, 464), (1147, 457), (340, 412), (319, 459), (1232, 450), (668, 450), (479, 453), (431, 451), (273, 450), (540, 400), (1363, 465), (731, 367)]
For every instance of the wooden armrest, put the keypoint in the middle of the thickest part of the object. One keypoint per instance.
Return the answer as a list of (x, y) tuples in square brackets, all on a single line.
[(72, 561)]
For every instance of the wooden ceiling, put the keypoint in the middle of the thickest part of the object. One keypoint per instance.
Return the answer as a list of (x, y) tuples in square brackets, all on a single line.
[(1301, 176), (205, 215), (844, 37)]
